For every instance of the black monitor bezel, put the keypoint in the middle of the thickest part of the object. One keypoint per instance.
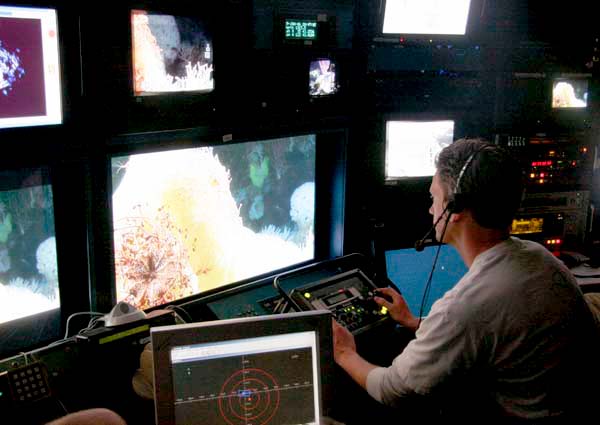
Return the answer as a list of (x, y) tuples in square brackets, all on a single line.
[(329, 203), (69, 80)]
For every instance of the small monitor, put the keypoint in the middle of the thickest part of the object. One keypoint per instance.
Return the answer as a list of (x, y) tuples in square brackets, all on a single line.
[(411, 147), (300, 29), (30, 72), (323, 79), (170, 54), (426, 17), (28, 265), (409, 270), (569, 93), (186, 221), (261, 370)]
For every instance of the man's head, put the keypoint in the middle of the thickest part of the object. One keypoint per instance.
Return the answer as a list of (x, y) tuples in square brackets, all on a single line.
[(490, 186)]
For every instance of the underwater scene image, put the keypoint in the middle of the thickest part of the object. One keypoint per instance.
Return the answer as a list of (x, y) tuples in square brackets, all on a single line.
[(190, 220), (28, 266), (170, 54)]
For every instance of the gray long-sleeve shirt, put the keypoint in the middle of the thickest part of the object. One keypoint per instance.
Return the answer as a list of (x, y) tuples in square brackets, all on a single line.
[(515, 330)]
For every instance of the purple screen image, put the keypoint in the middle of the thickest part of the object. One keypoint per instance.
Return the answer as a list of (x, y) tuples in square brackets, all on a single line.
[(24, 95)]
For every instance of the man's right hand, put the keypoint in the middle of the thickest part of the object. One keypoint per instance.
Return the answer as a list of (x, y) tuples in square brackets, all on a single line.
[(397, 307)]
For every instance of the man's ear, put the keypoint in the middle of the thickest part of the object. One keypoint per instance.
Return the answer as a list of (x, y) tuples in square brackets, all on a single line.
[(457, 216)]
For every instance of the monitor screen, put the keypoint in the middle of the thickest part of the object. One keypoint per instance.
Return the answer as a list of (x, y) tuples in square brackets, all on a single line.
[(170, 54), (260, 370), (426, 17), (300, 29), (30, 80), (411, 147), (28, 265), (322, 77), (190, 220), (569, 93), (409, 270)]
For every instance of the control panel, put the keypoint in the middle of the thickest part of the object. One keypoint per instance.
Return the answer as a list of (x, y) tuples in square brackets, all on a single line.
[(348, 295)]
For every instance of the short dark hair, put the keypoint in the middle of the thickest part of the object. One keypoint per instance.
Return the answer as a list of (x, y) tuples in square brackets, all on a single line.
[(491, 186)]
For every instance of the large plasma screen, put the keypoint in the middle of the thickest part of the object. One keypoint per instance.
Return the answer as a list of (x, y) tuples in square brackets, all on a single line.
[(28, 265), (189, 220), (170, 54)]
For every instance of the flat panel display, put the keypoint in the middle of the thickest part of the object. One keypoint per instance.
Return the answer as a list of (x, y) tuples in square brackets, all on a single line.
[(28, 264), (170, 54), (426, 16), (412, 147), (190, 220), (30, 72), (569, 93), (409, 270)]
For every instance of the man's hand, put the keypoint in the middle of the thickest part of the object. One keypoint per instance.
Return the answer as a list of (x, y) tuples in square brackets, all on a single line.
[(397, 308), (343, 342), (345, 355)]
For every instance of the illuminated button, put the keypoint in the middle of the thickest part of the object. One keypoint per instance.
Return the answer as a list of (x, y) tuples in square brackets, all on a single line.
[(307, 295), (383, 310)]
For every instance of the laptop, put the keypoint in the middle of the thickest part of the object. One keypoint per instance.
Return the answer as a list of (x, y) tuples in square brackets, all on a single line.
[(273, 369)]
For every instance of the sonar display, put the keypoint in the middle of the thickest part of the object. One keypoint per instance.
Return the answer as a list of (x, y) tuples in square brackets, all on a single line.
[(263, 388)]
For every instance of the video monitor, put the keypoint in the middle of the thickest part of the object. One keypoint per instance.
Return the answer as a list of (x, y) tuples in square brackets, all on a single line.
[(300, 29), (190, 220), (323, 80), (411, 147), (170, 53), (28, 265), (569, 93), (273, 369), (30, 77), (409, 270), (426, 17)]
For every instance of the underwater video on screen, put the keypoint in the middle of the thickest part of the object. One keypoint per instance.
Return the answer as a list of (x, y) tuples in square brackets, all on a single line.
[(569, 93), (412, 146), (30, 90), (170, 54), (28, 266), (190, 220), (322, 78)]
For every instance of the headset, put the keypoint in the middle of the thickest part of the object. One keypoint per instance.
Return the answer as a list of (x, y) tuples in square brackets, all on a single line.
[(458, 202), (455, 205)]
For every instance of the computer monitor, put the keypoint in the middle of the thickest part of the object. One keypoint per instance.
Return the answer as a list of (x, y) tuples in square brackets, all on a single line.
[(170, 53), (323, 77), (191, 219), (426, 17), (569, 92), (411, 146), (260, 370), (30, 77), (29, 287), (409, 270)]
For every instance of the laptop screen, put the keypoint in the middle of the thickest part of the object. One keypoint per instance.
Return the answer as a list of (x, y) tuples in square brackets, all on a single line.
[(409, 270), (255, 370)]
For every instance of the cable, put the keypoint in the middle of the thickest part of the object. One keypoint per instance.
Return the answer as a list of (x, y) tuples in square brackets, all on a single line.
[(176, 309), (429, 279), (78, 314)]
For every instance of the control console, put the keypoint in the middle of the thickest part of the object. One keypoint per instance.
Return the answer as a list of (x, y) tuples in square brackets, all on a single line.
[(348, 295)]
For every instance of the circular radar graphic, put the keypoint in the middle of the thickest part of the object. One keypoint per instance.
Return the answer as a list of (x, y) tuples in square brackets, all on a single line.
[(250, 396)]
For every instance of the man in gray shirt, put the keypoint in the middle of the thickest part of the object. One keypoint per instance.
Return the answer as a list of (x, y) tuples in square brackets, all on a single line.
[(514, 339)]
